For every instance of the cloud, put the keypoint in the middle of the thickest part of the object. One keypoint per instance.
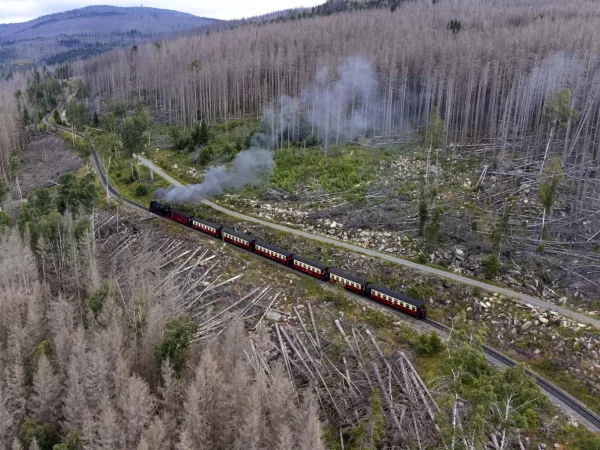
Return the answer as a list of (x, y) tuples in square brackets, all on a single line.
[(22, 10)]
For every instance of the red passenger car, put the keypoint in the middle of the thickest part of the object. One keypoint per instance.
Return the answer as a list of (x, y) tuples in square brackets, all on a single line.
[(349, 281), (239, 239), (206, 227), (272, 252), (311, 267)]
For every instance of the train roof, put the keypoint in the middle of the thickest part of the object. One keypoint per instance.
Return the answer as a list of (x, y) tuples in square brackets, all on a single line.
[(398, 295), (310, 262), (239, 235), (181, 213), (348, 276), (273, 248), (216, 226)]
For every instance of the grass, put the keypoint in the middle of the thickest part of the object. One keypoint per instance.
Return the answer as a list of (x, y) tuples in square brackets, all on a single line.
[(226, 141), (176, 163), (132, 179), (346, 169), (80, 146), (560, 377)]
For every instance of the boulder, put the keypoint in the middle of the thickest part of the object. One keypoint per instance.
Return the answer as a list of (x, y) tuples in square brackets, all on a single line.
[(272, 315), (563, 300), (460, 254), (527, 325), (543, 320)]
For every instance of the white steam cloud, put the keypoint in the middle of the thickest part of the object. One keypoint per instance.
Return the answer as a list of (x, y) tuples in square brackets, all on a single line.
[(247, 169), (325, 113)]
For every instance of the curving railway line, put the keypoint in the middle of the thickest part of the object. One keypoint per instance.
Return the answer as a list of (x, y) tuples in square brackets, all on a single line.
[(574, 406), (565, 401)]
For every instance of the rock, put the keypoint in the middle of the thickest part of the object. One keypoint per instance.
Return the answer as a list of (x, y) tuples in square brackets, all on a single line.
[(300, 307), (272, 315), (563, 300), (511, 280), (527, 325), (333, 225), (460, 254), (543, 320), (581, 325)]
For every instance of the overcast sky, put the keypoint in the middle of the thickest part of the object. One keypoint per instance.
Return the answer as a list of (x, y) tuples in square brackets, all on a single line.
[(24, 10)]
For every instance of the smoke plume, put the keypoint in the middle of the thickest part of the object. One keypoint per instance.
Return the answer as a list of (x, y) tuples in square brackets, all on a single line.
[(247, 169), (327, 112)]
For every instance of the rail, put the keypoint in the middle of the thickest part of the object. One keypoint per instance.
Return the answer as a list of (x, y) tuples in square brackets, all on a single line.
[(544, 384), (592, 419)]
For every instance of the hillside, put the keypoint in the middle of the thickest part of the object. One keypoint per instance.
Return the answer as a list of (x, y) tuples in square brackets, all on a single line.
[(85, 32), (448, 150), (510, 105)]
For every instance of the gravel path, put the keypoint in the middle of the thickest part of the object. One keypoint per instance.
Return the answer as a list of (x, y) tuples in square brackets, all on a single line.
[(403, 262)]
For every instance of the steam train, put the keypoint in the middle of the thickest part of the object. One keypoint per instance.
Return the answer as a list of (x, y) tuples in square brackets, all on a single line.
[(315, 269)]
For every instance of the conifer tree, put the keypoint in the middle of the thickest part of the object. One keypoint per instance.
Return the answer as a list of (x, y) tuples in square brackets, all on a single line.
[(46, 389)]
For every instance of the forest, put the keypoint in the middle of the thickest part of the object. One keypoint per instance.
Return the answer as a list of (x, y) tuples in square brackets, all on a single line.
[(490, 78), (433, 119)]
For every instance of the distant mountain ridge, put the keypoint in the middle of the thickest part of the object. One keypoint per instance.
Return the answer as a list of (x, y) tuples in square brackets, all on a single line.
[(85, 32), (142, 19)]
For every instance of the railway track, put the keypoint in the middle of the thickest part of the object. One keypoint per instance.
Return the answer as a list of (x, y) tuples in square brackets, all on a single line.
[(566, 401), (592, 419), (384, 256)]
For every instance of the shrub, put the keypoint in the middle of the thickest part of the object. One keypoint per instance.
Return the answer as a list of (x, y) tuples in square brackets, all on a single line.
[(44, 348), (72, 442), (491, 267), (378, 319), (3, 191), (206, 155), (173, 348), (429, 344), (95, 302), (420, 292), (338, 300), (5, 221), (141, 190), (81, 228), (44, 434)]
